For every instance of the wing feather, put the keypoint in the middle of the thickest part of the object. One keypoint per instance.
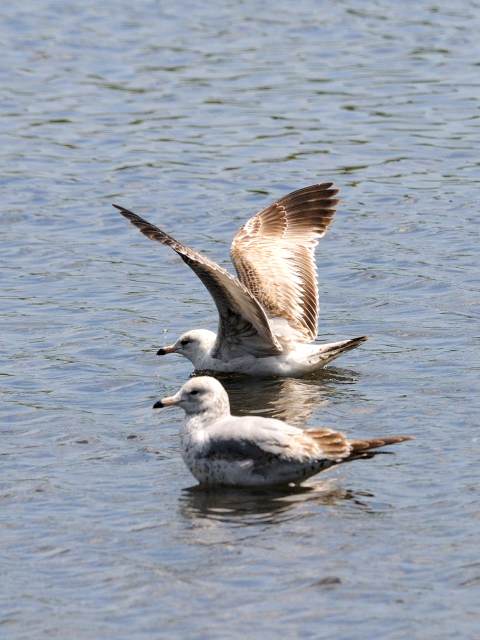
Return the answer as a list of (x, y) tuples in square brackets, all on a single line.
[(273, 254), (243, 326)]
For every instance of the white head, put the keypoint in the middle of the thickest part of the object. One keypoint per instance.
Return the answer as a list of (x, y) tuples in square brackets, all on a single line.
[(202, 395), (194, 345)]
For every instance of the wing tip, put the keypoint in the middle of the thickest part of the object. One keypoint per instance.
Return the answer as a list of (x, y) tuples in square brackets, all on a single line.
[(125, 212), (376, 443)]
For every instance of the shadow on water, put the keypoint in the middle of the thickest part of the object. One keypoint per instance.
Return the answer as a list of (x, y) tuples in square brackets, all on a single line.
[(245, 506), (289, 399)]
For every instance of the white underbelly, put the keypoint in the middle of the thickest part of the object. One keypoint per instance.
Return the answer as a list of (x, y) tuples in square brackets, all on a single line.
[(296, 363)]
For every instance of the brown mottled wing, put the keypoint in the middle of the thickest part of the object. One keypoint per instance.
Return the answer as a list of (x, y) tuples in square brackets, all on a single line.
[(273, 254), (335, 446), (321, 443), (243, 326)]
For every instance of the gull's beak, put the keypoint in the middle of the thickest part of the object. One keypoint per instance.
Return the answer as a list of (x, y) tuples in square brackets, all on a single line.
[(164, 350), (166, 402)]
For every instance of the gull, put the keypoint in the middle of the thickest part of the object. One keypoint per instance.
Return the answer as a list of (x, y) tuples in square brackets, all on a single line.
[(226, 450), (268, 315)]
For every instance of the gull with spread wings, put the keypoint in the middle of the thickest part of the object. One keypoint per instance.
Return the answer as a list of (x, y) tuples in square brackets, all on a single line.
[(268, 316)]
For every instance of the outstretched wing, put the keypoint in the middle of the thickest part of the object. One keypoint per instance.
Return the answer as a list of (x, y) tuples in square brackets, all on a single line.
[(243, 326), (273, 254)]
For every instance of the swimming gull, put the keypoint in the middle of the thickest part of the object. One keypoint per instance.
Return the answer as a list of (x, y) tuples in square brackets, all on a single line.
[(268, 316), (221, 449)]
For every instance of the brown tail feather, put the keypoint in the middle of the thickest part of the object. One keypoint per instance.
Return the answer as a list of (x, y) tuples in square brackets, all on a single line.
[(363, 448), (375, 443)]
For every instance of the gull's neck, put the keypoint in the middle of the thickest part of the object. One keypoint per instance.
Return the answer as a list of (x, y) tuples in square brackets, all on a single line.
[(202, 356)]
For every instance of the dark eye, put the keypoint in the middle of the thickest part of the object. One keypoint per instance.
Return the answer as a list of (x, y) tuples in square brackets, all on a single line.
[(194, 392), (184, 342)]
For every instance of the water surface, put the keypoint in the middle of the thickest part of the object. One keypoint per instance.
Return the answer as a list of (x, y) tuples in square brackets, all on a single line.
[(196, 116)]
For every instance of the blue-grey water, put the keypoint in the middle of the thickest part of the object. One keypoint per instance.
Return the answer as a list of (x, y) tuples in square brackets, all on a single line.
[(196, 115)]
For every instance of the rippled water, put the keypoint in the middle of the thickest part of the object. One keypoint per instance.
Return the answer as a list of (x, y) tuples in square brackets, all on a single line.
[(197, 115)]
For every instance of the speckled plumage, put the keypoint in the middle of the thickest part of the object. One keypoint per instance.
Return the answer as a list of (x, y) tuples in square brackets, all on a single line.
[(221, 449), (269, 314)]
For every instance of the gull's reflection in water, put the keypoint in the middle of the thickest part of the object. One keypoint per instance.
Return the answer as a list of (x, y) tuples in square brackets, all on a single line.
[(246, 507), (290, 399)]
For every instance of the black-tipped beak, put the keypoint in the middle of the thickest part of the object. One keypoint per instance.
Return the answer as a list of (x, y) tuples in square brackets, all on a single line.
[(164, 350), (166, 402)]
